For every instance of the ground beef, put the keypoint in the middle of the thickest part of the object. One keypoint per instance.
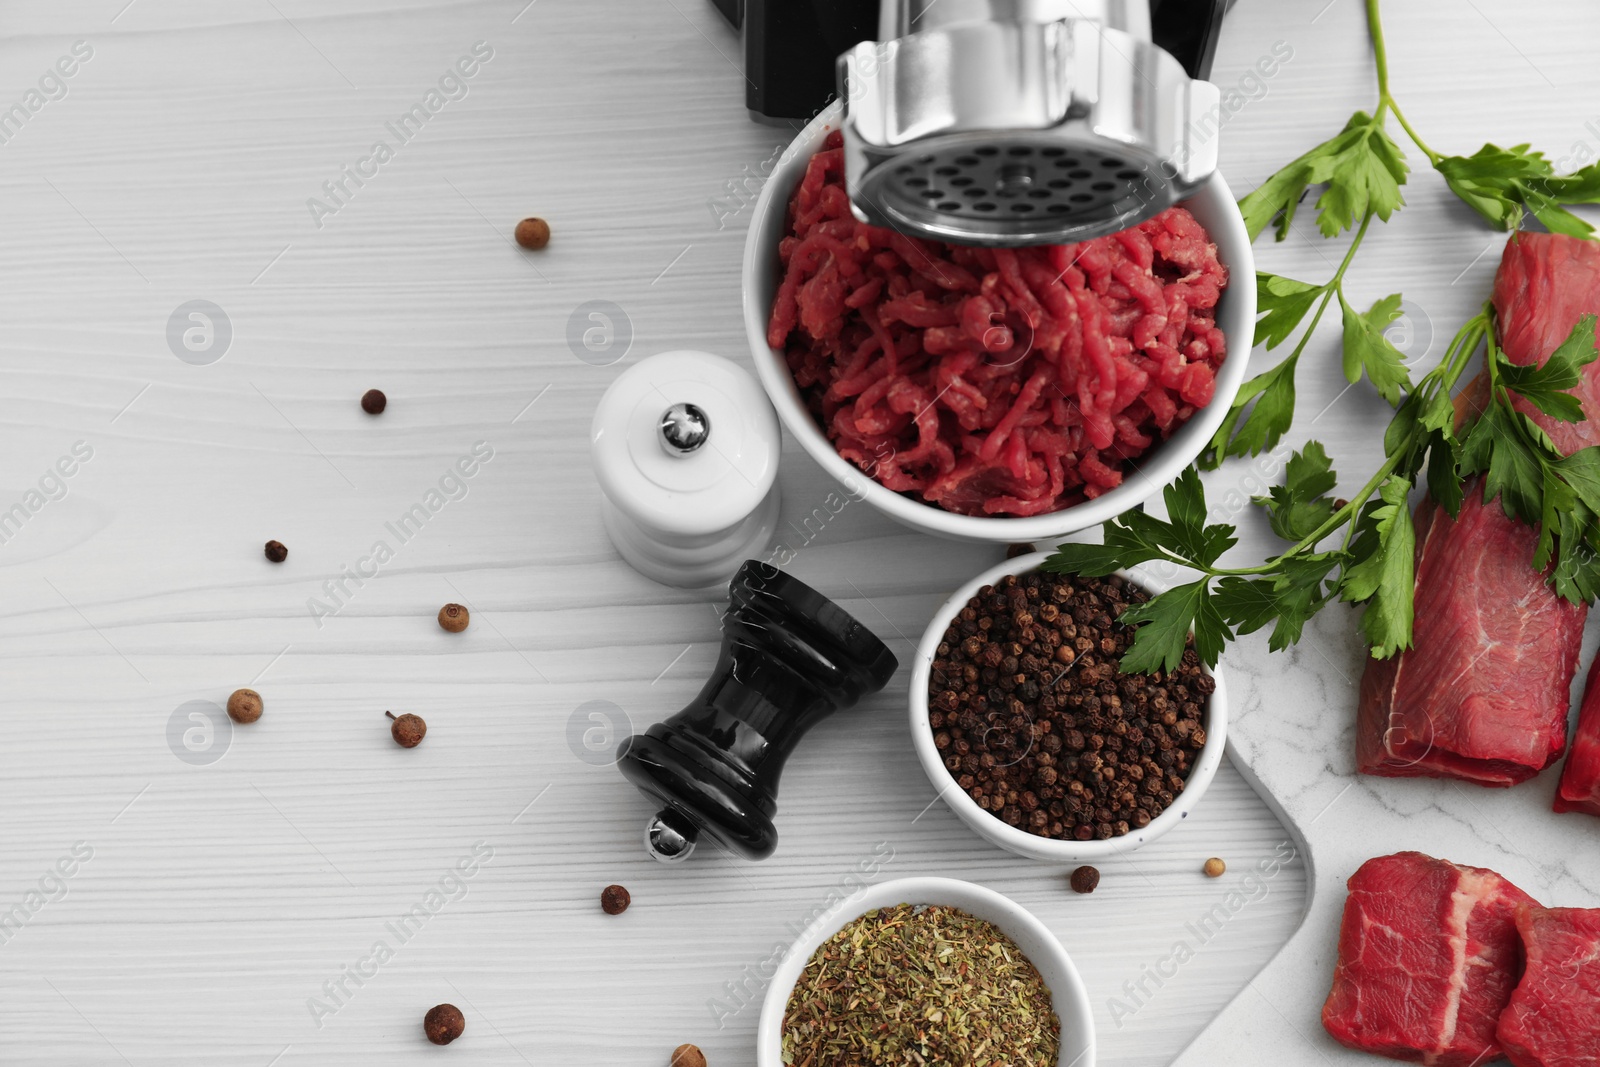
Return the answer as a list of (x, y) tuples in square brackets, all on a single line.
[(994, 381)]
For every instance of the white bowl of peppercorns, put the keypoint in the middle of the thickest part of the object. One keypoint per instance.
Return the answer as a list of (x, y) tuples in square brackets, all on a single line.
[(1026, 726)]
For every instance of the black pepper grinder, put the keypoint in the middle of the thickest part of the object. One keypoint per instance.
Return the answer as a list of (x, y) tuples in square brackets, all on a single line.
[(790, 658)]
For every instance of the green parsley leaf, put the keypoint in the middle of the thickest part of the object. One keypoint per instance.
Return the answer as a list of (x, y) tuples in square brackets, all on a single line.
[(1444, 476), (1122, 548), (1136, 536), (1186, 510), (1367, 349), (1499, 183), (1490, 180), (1545, 385), (1384, 577), (1555, 218), (1301, 504), (1439, 414), (1164, 622), (1403, 425), (1097, 561), (1186, 505), (1267, 421), (1277, 197), (1576, 575), (1580, 187), (1363, 171), (1516, 463), (1581, 471), (1282, 303), (1478, 445), (1291, 598), (1557, 499)]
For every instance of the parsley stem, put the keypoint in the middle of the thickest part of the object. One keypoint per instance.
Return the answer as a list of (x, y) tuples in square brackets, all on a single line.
[(1433, 157), (1350, 254), (1331, 289), (1462, 348), (1339, 518), (1386, 101)]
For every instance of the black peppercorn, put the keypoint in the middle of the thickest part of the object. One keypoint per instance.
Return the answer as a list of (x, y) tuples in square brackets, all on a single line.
[(244, 706), (532, 233), (373, 401), (614, 900), (407, 730), (443, 1023), (1026, 681), (1085, 879), (276, 552), (688, 1056)]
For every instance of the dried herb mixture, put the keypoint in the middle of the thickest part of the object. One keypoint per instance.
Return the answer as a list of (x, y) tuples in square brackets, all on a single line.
[(920, 986)]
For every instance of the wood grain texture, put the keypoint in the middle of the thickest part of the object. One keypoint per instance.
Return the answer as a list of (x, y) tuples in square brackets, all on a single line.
[(220, 898)]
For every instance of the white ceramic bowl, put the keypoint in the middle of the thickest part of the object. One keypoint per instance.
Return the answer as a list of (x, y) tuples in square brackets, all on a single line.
[(1021, 842), (1213, 206), (1070, 999)]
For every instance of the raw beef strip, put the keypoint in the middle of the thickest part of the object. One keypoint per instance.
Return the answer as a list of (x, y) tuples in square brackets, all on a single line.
[(1483, 695), (1428, 957), (1553, 1019), (1580, 778), (1545, 284)]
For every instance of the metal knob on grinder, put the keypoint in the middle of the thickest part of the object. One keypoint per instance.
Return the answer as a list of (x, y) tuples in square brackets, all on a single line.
[(790, 658)]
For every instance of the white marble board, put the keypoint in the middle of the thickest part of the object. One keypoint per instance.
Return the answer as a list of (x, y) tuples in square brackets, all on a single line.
[(1465, 74)]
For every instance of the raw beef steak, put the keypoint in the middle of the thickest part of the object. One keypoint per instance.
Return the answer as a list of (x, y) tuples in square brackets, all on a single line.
[(1553, 1019), (1428, 957), (1484, 695), (1580, 778), (1545, 284)]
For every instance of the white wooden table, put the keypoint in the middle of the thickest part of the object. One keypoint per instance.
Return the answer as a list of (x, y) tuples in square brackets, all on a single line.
[(227, 890)]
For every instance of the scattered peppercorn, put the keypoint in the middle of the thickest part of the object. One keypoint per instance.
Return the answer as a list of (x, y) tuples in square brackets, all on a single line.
[(443, 1023), (276, 551), (1085, 879), (614, 900), (1022, 548), (688, 1056), (407, 730), (454, 617), (373, 401), (244, 705), (533, 233), (1214, 868), (1035, 722)]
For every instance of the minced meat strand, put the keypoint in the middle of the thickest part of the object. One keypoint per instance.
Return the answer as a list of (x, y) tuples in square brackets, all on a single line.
[(994, 381)]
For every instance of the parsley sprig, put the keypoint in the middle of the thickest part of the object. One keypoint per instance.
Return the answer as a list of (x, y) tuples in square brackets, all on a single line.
[(1360, 172), (1361, 550)]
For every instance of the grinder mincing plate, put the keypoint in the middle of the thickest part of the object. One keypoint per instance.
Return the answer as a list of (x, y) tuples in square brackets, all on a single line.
[(1010, 122)]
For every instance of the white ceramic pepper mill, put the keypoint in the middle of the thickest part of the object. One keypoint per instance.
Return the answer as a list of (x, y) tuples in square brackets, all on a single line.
[(685, 447)]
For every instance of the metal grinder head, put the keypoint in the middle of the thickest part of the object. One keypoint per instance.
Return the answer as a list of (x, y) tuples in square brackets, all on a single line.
[(1020, 122)]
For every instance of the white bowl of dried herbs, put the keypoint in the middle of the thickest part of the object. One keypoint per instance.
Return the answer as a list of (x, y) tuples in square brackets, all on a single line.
[(926, 971)]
